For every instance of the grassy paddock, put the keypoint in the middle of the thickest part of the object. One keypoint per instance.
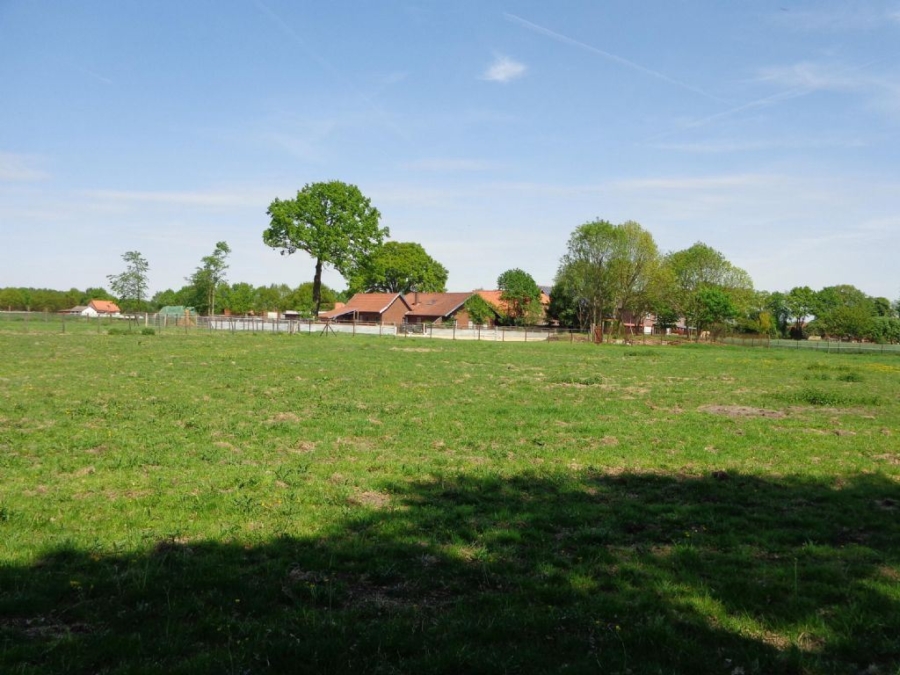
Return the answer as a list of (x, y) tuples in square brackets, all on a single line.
[(248, 504)]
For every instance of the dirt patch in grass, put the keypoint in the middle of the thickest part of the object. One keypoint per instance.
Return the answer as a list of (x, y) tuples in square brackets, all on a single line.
[(741, 411), (282, 417), (370, 498)]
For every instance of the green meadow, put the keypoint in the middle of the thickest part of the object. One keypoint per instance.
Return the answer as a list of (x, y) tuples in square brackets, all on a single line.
[(238, 503)]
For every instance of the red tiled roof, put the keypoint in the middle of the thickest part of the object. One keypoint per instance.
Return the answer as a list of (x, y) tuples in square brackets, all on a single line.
[(105, 306), (493, 298), (435, 304), (367, 303)]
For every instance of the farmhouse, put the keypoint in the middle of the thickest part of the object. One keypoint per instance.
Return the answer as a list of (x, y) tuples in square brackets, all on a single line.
[(370, 308), (101, 308), (438, 308)]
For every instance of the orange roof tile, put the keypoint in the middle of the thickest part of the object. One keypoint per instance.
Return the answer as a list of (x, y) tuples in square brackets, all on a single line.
[(105, 306), (494, 298)]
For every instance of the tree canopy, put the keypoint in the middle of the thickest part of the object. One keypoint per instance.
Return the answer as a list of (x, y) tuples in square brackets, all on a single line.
[(333, 222), (130, 286), (522, 295), (398, 267), (208, 276), (699, 268), (607, 271)]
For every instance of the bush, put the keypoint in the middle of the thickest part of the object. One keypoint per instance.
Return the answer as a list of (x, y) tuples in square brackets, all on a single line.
[(148, 331)]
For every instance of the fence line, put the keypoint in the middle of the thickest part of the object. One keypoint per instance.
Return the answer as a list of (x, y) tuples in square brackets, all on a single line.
[(54, 322)]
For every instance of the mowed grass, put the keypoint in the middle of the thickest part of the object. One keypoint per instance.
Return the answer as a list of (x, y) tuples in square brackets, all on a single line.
[(214, 503)]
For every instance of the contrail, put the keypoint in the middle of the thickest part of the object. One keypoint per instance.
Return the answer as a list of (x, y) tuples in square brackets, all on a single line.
[(772, 99), (612, 57), (330, 68)]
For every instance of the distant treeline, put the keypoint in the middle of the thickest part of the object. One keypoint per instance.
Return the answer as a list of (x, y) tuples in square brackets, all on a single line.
[(238, 298)]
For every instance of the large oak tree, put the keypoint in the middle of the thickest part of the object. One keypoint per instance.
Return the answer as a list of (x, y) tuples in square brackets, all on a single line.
[(333, 222)]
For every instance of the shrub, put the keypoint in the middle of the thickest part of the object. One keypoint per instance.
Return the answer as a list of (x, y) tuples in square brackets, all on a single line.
[(148, 331)]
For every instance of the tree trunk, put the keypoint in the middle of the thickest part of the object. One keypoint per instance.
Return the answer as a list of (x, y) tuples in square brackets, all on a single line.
[(317, 288)]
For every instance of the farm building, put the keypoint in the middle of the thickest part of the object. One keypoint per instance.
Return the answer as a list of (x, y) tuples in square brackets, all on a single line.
[(438, 308), (370, 308), (102, 308)]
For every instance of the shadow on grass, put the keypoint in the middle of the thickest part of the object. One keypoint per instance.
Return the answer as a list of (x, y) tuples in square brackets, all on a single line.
[(632, 573)]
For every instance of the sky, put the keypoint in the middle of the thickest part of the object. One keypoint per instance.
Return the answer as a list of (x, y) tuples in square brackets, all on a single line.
[(485, 131)]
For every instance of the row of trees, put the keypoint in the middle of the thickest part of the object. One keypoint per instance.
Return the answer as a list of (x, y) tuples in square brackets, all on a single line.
[(610, 275), (615, 274)]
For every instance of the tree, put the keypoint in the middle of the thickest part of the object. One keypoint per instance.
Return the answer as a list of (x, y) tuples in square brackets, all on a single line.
[(399, 267), (801, 304), (563, 308), (130, 287), (636, 272), (844, 311), (480, 311), (238, 298), (520, 292), (714, 307), (700, 267), (777, 305), (333, 222), (207, 278), (301, 298), (610, 270), (585, 271)]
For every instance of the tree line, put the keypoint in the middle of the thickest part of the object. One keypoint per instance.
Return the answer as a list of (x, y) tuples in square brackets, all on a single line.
[(610, 278)]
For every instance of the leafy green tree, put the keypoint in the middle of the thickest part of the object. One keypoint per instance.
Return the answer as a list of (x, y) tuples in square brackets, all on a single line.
[(637, 275), (701, 267), (208, 277), (882, 307), (399, 267), (777, 305), (92, 293), (12, 299), (609, 271), (271, 298), (520, 292), (130, 286), (801, 304), (885, 330), (585, 271), (171, 298), (844, 311), (480, 311), (563, 307), (301, 299), (714, 308), (238, 298), (333, 222)]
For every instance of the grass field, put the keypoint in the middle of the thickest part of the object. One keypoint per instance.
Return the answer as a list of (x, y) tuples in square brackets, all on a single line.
[(214, 503)]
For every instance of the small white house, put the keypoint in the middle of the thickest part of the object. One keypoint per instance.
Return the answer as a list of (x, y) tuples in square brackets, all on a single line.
[(102, 308)]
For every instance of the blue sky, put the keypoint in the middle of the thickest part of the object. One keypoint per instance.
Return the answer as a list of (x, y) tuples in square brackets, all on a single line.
[(485, 131)]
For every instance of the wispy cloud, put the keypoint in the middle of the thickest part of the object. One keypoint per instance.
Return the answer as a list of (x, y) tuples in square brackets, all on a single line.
[(612, 57), (804, 79), (95, 76), (451, 164), (326, 65), (15, 168), (504, 69), (842, 18), (729, 146), (813, 76)]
